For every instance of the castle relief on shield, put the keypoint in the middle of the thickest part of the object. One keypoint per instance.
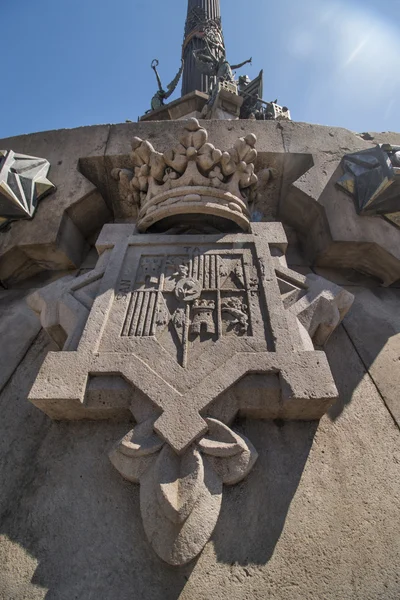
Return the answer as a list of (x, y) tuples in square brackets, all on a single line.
[(186, 330)]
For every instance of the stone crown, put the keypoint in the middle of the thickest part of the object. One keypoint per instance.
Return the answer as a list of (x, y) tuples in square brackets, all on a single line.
[(192, 178)]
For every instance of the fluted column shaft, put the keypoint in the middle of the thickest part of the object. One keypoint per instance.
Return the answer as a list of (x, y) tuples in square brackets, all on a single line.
[(192, 78)]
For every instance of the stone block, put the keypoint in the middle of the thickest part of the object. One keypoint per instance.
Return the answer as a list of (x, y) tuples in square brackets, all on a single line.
[(226, 106), (305, 163), (327, 493), (374, 328), (56, 237), (18, 328), (182, 108), (332, 233)]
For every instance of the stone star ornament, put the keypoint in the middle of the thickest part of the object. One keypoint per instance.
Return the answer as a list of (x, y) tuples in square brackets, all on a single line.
[(372, 177), (23, 182)]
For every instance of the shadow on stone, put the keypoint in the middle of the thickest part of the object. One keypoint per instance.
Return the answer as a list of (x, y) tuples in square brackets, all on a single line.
[(78, 523), (81, 522), (22, 426), (333, 235), (254, 512), (372, 328), (74, 523)]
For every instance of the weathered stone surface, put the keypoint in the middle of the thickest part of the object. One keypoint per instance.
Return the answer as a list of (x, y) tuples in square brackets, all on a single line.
[(322, 309), (332, 232), (181, 496), (269, 145), (124, 332), (184, 321), (374, 328), (327, 494), (18, 329), (222, 135), (56, 238), (22, 426), (383, 137), (64, 306), (192, 180), (306, 161)]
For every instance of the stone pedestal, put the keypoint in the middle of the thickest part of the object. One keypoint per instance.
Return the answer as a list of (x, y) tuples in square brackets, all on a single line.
[(226, 106), (186, 107), (325, 492)]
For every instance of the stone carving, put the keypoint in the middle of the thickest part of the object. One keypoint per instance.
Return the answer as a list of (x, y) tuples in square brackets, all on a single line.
[(64, 306), (205, 296), (23, 182), (181, 495), (177, 323), (161, 95), (372, 177), (235, 314), (203, 317), (188, 289), (322, 309), (318, 304), (258, 195), (192, 178)]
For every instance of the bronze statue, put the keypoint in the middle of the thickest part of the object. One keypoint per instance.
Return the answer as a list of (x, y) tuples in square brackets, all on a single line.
[(158, 99), (211, 60)]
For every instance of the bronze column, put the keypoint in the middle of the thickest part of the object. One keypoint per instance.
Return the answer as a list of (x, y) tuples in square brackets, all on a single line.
[(199, 11)]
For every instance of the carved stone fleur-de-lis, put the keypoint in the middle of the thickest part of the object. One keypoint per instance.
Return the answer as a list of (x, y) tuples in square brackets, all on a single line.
[(182, 494)]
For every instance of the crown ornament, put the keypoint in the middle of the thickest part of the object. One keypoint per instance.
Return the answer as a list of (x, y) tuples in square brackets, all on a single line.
[(193, 178)]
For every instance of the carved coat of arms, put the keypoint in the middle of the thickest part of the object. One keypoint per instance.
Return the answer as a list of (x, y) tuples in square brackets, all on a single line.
[(169, 328), (187, 300), (186, 332)]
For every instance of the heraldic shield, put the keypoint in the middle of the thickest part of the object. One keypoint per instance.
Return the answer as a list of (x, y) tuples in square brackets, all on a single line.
[(186, 332)]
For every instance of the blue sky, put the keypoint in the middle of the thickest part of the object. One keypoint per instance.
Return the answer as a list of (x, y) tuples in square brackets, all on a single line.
[(83, 62)]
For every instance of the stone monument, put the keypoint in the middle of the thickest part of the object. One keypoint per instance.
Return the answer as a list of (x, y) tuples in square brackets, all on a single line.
[(183, 319), (200, 347), (209, 87)]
